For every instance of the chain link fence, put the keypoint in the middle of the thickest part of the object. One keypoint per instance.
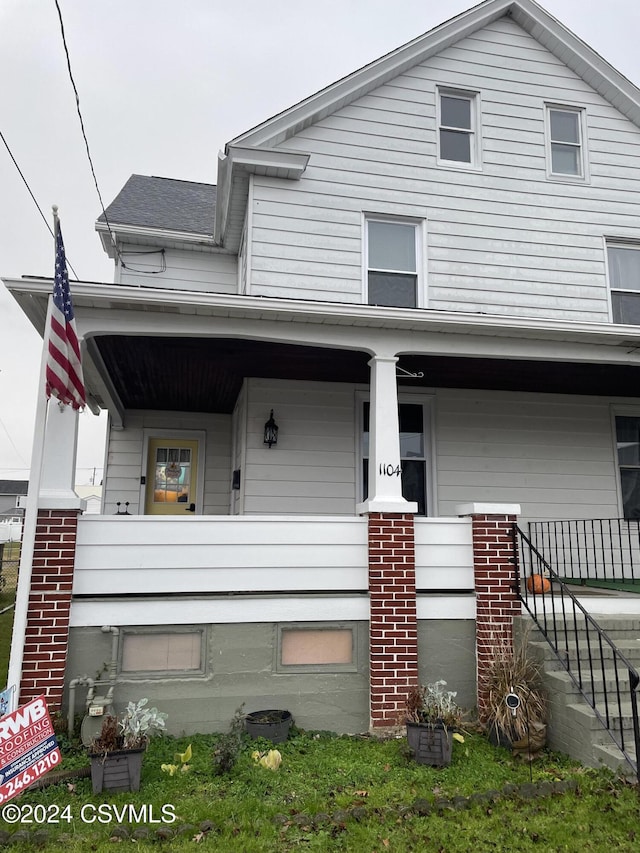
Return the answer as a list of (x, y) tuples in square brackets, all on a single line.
[(9, 561)]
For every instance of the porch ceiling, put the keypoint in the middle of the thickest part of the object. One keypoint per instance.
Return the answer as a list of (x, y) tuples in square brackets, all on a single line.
[(205, 374)]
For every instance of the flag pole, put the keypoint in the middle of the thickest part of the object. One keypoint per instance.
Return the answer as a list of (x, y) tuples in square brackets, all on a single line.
[(31, 514)]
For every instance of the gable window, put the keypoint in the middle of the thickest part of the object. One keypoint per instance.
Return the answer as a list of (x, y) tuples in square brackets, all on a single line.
[(624, 281), (628, 445), (392, 263), (565, 145), (458, 132)]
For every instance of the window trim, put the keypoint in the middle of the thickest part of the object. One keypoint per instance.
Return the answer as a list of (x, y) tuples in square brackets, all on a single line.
[(352, 667), (475, 131), (419, 234), (616, 412), (583, 160), (615, 243)]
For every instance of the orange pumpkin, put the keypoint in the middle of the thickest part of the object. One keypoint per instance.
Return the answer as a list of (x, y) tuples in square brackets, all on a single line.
[(538, 584)]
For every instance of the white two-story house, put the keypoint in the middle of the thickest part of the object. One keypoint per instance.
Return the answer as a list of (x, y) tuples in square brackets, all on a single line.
[(427, 277)]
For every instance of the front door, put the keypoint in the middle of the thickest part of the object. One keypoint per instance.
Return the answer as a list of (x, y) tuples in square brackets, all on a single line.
[(172, 474)]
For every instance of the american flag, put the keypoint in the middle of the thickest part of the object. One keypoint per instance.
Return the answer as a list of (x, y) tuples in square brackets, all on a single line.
[(64, 370)]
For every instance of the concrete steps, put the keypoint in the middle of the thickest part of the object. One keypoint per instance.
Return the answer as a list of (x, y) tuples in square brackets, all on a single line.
[(574, 728)]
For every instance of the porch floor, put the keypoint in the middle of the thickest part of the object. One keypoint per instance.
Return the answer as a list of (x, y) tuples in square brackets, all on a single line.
[(621, 586)]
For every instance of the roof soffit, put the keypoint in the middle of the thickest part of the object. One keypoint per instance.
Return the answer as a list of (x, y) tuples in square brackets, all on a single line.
[(542, 26)]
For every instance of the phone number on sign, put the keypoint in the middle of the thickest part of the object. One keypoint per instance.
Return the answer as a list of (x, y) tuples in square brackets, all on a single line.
[(24, 779)]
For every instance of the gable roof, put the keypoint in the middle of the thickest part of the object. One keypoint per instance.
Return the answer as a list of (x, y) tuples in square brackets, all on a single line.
[(163, 203), (542, 26)]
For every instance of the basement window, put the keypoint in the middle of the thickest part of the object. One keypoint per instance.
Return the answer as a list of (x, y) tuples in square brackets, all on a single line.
[(315, 649), (162, 652)]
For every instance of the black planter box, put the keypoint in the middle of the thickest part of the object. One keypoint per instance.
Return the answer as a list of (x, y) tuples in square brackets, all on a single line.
[(430, 744), (116, 771)]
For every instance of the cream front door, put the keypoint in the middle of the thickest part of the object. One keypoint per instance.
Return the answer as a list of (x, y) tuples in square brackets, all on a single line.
[(172, 473)]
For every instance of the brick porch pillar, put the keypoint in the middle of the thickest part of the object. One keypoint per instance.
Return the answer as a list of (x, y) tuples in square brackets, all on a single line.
[(47, 630), (45, 578), (494, 564), (393, 644)]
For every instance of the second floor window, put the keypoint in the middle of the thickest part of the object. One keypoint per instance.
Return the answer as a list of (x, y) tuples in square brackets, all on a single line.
[(392, 263), (565, 145), (624, 281), (457, 128)]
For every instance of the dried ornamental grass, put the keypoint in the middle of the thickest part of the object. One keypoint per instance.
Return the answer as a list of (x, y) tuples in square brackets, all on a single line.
[(513, 670)]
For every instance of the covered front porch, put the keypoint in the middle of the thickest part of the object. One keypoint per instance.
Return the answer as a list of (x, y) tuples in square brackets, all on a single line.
[(323, 530)]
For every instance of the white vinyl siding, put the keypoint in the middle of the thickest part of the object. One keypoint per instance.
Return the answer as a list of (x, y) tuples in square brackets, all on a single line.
[(126, 464), (311, 471), (551, 453), (504, 241), (186, 269)]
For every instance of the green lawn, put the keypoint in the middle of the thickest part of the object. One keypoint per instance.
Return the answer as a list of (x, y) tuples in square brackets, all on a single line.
[(339, 794), (6, 626)]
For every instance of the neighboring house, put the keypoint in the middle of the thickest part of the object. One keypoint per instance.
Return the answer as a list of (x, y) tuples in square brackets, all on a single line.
[(10, 492), (92, 496), (427, 274)]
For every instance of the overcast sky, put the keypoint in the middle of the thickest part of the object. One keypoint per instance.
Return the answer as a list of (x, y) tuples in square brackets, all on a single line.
[(163, 86)]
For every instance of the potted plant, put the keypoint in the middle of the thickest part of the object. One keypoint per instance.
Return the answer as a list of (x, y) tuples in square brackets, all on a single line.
[(432, 718), (116, 754), (516, 707), (272, 725)]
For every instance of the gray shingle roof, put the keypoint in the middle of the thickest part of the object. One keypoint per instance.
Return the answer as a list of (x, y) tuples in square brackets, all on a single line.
[(164, 203), (14, 487)]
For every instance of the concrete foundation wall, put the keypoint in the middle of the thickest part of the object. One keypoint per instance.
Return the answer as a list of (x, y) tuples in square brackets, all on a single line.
[(241, 666), (447, 650)]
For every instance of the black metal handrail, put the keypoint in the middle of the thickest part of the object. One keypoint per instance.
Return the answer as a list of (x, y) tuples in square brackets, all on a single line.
[(562, 620), (590, 550)]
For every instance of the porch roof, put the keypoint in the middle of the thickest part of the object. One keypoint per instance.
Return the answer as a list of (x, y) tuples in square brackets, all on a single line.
[(190, 351)]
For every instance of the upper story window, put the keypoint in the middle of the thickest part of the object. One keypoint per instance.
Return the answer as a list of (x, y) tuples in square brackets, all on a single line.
[(458, 128), (565, 142), (624, 282), (392, 263)]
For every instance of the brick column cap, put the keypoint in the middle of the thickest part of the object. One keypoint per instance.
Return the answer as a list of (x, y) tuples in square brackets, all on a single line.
[(488, 509)]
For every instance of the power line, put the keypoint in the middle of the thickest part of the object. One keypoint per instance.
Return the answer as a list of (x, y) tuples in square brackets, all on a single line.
[(84, 135), (35, 201)]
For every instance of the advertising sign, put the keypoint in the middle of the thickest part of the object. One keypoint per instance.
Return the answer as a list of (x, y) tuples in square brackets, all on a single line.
[(28, 747)]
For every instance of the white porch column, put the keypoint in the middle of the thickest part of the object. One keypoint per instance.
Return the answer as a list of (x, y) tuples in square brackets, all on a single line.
[(385, 483), (59, 459)]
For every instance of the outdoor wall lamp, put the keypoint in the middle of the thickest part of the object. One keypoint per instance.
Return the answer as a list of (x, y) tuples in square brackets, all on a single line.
[(271, 431)]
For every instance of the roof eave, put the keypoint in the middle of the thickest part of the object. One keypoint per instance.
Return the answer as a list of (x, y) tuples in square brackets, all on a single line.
[(234, 168), (158, 236)]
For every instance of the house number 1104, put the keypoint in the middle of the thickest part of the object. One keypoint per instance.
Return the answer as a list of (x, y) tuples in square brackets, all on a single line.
[(389, 470)]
